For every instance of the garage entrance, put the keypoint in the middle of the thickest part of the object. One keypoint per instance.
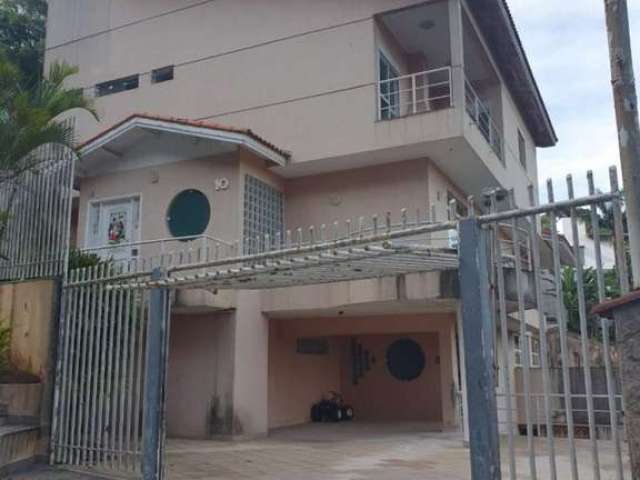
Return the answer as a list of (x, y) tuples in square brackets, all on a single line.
[(389, 369)]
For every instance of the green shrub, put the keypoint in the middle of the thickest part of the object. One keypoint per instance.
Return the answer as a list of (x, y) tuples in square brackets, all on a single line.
[(5, 345), (80, 259)]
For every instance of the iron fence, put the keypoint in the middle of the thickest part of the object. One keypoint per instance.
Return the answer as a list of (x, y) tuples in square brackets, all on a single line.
[(36, 211)]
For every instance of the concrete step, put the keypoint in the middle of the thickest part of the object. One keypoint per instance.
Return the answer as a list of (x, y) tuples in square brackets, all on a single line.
[(18, 444)]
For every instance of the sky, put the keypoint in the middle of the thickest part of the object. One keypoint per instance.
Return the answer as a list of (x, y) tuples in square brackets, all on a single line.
[(566, 43)]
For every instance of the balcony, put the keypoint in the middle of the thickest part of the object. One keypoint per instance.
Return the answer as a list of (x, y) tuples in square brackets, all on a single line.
[(432, 90), (480, 113)]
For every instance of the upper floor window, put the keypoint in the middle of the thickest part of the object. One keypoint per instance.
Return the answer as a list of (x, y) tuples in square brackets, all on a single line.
[(163, 74), (522, 150), (119, 85), (389, 88)]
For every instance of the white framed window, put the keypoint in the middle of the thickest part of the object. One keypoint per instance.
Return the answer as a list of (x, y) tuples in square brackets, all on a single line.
[(389, 94), (533, 346), (517, 351)]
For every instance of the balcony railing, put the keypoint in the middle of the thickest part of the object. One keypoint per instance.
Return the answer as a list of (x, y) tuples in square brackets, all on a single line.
[(481, 116), (414, 93), (184, 249)]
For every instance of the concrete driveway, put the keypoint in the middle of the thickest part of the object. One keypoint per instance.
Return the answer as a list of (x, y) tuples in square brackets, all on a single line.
[(352, 451), (362, 451), (345, 451)]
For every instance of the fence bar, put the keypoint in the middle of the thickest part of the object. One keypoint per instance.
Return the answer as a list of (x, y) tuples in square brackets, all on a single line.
[(505, 350), (562, 327), (544, 351), (478, 346), (526, 374), (584, 335)]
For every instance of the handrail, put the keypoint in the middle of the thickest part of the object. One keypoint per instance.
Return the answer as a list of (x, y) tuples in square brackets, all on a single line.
[(414, 93), (481, 115), (157, 241)]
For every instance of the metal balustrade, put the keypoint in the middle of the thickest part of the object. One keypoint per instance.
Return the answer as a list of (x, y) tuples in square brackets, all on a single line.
[(414, 93), (481, 116)]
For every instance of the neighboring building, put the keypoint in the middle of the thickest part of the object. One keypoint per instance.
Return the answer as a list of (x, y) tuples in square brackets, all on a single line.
[(360, 107), (587, 244)]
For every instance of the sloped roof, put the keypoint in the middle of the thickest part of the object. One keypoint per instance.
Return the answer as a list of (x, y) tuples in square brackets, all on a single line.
[(146, 120)]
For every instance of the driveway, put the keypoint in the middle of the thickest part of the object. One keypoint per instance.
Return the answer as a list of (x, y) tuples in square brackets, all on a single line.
[(352, 451), (345, 451)]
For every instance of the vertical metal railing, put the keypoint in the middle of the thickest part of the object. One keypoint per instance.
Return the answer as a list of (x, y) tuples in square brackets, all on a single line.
[(481, 115), (36, 207), (564, 411), (98, 403), (419, 92)]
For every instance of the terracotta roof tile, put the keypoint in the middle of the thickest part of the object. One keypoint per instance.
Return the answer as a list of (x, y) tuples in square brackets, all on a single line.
[(190, 123)]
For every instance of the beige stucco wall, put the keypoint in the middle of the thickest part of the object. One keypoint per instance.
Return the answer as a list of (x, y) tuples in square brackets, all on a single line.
[(316, 63), (200, 375), (157, 186), (28, 309), (323, 199), (296, 381)]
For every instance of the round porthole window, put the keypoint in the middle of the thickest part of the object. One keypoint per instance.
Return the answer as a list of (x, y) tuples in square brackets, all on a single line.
[(405, 359), (189, 214)]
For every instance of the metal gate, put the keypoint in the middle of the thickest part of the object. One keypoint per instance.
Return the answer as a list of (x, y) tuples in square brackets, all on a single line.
[(553, 364), (103, 376), (34, 236), (520, 282)]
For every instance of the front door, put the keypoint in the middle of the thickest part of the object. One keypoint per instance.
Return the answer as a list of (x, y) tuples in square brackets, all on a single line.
[(114, 227)]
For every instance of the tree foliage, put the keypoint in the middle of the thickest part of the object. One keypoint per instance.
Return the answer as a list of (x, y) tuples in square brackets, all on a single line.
[(22, 34), (590, 284), (5, 345), (31, 117)]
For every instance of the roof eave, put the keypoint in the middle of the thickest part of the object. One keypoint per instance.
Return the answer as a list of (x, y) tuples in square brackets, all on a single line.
[(505, 43), (238, 138)]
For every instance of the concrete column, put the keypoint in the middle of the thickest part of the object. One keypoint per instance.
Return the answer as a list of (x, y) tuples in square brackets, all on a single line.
[(251, 367), (626, 313)]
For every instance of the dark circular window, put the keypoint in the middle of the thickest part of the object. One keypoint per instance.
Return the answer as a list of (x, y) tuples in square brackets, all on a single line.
[(405, 359), (189, 214)]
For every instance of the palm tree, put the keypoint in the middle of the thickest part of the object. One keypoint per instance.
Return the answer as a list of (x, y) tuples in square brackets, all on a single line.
[(31, 118)]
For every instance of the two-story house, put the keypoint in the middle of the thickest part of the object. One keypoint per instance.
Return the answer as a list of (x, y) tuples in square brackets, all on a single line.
[(224, 120)]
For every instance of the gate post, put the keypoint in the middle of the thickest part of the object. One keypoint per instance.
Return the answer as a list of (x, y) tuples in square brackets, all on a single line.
[(626, 313), (152, 423), (484, 440)]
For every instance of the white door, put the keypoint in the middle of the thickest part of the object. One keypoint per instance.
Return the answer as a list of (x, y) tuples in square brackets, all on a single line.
[(113, 227)]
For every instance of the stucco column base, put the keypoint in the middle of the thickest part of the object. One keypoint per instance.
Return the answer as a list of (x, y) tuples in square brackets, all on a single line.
[(626, 313)]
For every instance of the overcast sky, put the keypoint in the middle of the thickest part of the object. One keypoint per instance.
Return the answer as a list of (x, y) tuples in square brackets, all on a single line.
[(566, 43)]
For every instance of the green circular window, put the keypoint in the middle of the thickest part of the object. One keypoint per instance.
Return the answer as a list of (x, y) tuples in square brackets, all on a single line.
[(189, 214)]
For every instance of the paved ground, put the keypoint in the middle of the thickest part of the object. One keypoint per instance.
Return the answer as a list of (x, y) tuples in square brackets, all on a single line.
[(349, 451)]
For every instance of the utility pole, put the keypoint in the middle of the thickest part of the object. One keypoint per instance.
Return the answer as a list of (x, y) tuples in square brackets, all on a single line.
[(626, 105)]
